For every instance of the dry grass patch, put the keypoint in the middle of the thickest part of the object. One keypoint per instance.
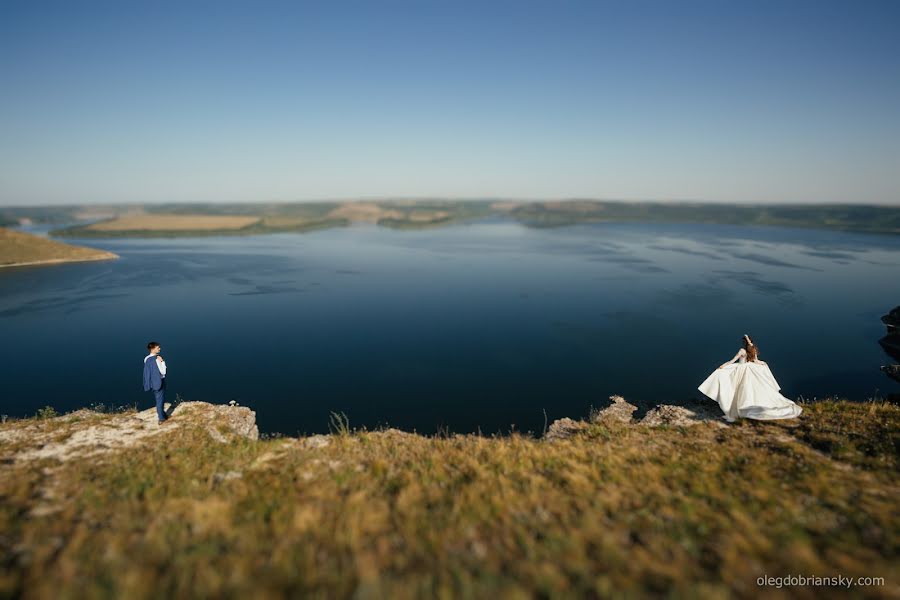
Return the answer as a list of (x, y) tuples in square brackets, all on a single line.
[(163, 222), (617, 509), (368, 212)]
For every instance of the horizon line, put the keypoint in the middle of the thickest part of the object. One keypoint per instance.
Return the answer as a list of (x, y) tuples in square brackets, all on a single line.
[(519, 200)]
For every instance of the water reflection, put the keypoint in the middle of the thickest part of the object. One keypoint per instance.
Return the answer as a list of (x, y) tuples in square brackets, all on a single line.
[(758, 283)]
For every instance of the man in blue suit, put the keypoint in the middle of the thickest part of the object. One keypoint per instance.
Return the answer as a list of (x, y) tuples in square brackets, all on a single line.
[(155, 379)]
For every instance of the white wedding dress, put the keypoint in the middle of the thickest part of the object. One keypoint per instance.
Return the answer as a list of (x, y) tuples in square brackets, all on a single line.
[(748, 389)]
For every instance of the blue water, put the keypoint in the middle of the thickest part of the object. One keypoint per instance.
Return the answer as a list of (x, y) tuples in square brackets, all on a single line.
[(480, 326)]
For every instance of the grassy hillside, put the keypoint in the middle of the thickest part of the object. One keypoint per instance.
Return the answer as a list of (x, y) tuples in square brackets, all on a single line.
[(616, 509), (18, 248)]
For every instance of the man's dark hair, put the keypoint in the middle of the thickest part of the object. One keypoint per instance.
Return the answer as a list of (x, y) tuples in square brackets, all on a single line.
[(152, 345)]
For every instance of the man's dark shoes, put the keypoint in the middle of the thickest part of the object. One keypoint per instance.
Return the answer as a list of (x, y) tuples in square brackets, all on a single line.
[(163, 421)]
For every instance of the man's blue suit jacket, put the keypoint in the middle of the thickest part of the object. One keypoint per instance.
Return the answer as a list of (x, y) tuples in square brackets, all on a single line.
[(153, 379)]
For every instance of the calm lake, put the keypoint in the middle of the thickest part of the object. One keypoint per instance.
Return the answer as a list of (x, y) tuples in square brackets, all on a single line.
[(485, 325)]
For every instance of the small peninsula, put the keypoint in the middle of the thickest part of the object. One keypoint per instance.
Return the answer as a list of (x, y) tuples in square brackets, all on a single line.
[(19, 249)]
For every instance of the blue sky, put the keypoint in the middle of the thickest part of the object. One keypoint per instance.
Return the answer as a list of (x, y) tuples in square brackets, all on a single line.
[(788, 101)]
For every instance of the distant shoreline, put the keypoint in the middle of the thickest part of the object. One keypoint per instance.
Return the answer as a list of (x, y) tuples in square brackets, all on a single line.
[(206, 219)]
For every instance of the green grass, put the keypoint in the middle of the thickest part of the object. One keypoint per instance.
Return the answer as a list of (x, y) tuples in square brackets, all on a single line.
[(48, 412), (689, 512)]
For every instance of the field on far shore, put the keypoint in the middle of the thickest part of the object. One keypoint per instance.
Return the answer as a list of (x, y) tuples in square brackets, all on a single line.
[(159, 222), (248, 219), (22, 249)]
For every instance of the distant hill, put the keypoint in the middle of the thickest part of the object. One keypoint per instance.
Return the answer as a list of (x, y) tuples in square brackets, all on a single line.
[(847, 217), (19, 249)]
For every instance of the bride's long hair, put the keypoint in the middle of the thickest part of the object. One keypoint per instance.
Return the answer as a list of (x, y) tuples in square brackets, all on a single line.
[(750, 347)]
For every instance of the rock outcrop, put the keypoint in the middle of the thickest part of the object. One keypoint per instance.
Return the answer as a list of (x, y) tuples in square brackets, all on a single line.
[(85, 433), (89, 435), (222, 421), (564, 428), (892, 371), (619, 411), (892, 320), (891, 345), (692, 412)]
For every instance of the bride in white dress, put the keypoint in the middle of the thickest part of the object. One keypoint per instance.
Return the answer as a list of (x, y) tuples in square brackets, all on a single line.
[(745, 387)]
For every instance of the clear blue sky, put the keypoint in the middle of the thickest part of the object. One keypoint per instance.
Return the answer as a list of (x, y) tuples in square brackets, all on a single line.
[(786, 101)]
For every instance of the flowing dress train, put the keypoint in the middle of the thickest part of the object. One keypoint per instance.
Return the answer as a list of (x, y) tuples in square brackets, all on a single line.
[(748, 389)]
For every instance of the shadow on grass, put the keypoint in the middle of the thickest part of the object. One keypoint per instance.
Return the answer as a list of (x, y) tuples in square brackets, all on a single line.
[(173, 405)]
